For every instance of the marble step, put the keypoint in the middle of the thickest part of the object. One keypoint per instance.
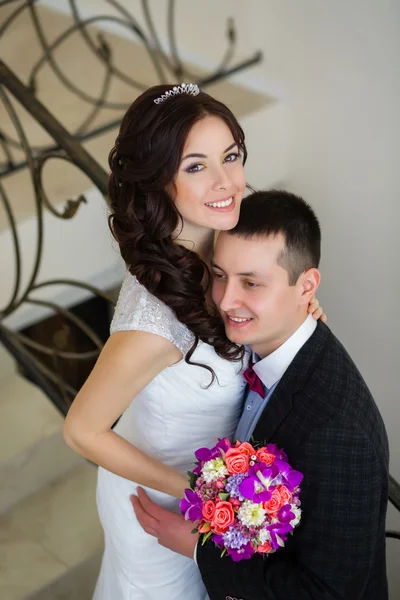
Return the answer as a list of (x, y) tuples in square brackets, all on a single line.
[(51, 542), (32, 449)]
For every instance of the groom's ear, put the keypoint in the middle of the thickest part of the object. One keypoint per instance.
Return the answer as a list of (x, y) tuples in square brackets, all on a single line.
[(308, 284)]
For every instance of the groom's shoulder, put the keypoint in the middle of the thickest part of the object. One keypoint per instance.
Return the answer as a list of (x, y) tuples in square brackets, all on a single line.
[(341, 388), (335, 359)]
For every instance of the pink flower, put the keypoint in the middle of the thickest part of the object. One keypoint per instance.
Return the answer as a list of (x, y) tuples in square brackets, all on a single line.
[(223, 517), (285, 494), (236, 461), (245, 448), (264, 548), (274, 503), (208, 510), (266, 457), (235, 502)]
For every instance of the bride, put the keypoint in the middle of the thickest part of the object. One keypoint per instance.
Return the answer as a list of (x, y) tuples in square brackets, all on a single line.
[(176, 177)]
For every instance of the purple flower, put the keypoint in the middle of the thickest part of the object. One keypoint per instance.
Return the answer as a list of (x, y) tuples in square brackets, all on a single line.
[(256, 486), (232, 485), (279, 533), (252, 489), (234, 538), (285, 514), (273, 449), (205, 454), (190, 506), (241, 553), (292, 478), (218, 539)]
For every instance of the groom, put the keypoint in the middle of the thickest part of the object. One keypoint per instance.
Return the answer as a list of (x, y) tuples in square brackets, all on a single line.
[(307, 397)]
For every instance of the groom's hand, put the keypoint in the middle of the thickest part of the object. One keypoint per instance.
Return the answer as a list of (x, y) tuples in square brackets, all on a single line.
[(171, 529)]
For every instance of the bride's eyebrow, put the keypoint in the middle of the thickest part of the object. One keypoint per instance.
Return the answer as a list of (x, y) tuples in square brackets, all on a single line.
[(194, 155)]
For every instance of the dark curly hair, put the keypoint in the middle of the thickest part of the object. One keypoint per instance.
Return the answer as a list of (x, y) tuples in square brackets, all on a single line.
[(143, 162)]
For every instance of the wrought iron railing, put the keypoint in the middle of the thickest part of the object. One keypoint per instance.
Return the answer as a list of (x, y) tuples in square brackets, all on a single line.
[(41, 362), (168, 64)]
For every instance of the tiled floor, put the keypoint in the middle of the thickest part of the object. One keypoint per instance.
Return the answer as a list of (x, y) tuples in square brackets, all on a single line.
[(49, 532), (62, 517), (24, 564)]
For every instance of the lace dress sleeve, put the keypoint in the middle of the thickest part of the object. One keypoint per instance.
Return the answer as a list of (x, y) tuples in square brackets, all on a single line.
[(139, 310)]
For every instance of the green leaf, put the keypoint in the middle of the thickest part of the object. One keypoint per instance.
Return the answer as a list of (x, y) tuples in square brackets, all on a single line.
[(192, 479), (205, 537), (195, 530), (223, 552), (224, 496)]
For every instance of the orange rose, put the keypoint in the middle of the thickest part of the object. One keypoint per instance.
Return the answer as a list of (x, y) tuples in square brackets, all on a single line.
[(236, 461), (285, 494), (274, 503), (223, 517), (245, 448), (204, 527), (208, 510), (264, 548), (265, 457)]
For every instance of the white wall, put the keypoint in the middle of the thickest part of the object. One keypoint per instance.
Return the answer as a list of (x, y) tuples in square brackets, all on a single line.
[(339, 64)]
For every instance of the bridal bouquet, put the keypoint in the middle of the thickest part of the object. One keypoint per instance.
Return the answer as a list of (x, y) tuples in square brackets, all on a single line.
[(246, 499)]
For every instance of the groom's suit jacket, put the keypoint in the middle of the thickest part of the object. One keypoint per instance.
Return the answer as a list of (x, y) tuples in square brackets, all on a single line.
[(324, 417)]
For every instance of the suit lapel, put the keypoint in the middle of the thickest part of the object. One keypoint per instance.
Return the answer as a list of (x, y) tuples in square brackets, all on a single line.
[(279, 406), (295, 378)]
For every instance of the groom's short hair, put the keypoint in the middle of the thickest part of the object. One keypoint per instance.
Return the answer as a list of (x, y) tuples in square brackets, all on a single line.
[(274, 212)]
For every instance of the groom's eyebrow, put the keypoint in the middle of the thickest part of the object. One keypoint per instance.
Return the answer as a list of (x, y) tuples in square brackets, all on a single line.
[(213, 264), (247, 274)]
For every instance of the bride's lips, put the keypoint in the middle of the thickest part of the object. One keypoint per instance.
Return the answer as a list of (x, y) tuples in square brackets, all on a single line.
[(228, 208)]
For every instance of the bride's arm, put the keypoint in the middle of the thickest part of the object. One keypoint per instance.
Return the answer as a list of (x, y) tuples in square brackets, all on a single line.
[(128, 362)]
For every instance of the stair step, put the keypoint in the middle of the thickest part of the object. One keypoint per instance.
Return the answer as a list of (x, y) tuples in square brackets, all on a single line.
[(7, 365), (76, 584), (51, 542), (32, 448)]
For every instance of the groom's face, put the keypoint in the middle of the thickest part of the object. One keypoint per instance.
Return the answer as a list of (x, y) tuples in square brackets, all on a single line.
[(252, 292)]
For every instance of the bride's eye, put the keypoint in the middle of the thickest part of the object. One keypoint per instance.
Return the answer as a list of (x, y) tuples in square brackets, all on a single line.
[(234, 156), (195, 168)]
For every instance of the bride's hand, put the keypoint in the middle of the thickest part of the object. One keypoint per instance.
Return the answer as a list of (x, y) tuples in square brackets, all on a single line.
[(316, 310)]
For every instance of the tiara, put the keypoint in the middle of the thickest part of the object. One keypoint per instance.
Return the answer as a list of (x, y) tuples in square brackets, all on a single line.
[(184, 88)]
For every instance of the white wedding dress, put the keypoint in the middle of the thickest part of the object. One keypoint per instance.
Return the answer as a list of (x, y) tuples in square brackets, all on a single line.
[(172, 417)]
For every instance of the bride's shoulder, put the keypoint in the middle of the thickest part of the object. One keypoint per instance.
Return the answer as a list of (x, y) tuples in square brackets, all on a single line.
[(138, 309)]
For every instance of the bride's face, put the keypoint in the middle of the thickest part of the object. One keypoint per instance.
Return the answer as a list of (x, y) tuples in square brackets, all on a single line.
[(210, 182)]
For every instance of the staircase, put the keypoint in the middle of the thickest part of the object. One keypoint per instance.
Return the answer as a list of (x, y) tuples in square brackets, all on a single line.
[(50, 536)]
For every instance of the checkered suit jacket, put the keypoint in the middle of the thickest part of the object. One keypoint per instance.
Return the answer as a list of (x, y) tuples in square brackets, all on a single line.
[(325, 418)]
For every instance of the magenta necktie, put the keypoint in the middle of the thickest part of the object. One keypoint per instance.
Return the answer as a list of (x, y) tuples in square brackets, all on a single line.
[(254, 381)]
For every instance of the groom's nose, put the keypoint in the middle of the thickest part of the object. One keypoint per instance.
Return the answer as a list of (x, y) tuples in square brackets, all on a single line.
[(231, 298)]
